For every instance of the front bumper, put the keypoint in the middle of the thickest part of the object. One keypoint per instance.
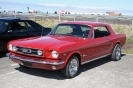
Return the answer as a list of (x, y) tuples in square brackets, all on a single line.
[(37, 63)]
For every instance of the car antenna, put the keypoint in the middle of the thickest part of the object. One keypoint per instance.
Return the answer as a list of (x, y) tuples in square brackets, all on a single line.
[(42, 30)]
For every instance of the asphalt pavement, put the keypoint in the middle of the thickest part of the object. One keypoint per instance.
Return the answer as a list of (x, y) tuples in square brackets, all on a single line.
[(101, 73)]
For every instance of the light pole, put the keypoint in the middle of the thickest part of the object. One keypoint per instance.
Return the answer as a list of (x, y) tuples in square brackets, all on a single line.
[(0, 12), (132, 28)]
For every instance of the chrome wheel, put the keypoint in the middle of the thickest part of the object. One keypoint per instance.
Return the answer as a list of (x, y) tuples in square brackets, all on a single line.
[(118, 53), (73, 67)]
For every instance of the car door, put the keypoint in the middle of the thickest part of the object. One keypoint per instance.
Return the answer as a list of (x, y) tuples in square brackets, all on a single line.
[(17, 30), (101, 44), (3, 27), (2, 43)]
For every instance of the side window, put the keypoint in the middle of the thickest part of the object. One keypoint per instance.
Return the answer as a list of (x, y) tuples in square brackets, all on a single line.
[(85, 30), (3, 25), (30, 27), (18, 27), (101, 31)]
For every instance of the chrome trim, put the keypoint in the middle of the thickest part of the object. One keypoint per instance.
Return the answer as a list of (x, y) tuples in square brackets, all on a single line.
[(26, 51), (84, 55), (35, 61), (94, 59), (29, 53)]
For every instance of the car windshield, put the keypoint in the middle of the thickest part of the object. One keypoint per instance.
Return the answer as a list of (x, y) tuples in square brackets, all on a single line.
[(74, 30), (3, 25)]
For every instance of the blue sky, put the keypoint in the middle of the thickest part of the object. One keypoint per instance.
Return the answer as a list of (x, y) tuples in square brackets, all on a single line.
[(123, 6)]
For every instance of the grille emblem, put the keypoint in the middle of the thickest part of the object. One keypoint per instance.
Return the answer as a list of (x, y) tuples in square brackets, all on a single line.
[(26, 50)]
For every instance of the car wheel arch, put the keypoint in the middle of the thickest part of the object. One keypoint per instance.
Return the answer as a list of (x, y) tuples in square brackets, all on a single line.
[(77, 53), (118, 42)]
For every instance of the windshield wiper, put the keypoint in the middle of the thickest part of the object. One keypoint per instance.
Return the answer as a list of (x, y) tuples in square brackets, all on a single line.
[(53, 34)]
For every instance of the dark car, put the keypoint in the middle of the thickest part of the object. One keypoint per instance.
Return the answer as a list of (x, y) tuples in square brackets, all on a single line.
[(16, 28)]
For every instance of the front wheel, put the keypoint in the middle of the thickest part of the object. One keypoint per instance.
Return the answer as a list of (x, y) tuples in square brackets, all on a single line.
[(116, 54), (72, 67)]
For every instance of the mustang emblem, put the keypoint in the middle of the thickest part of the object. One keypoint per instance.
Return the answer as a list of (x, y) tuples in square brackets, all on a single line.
[(26, 50)]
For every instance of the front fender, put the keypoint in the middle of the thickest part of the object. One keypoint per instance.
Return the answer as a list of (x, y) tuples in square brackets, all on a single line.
[(70, 54)]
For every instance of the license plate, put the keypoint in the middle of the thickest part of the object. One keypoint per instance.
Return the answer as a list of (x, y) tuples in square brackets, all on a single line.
[(27, 63)]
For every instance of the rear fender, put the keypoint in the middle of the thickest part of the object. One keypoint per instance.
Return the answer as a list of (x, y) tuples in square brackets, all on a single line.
[(117, 42)]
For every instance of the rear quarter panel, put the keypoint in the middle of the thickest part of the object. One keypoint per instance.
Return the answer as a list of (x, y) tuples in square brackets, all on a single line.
[(118, 38)]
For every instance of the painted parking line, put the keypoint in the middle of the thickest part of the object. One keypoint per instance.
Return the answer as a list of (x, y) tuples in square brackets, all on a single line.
[(12, 72), (127, 54), (13, 64)]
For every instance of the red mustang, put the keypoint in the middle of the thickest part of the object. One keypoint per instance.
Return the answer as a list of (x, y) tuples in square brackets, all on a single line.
[(69, 45)]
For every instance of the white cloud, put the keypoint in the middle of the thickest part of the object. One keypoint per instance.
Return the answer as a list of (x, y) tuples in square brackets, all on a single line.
[(66, 7), (54, 5), (95, 8), (81, 7), (72, 7), (16, 2)]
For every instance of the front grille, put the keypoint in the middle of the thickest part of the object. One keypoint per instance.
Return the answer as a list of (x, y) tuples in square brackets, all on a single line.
[(27, 51)]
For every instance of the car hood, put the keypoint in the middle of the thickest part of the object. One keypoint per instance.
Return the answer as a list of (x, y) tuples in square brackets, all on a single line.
[(46, 42)]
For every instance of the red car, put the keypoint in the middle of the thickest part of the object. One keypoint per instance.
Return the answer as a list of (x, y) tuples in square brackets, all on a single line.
[(69, 45)]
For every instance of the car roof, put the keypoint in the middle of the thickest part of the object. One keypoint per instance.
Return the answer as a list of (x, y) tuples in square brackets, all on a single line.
[(84, 23), (11, 19)]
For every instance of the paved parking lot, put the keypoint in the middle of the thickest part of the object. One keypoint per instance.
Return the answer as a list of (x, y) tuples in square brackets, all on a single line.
[(102, 73)]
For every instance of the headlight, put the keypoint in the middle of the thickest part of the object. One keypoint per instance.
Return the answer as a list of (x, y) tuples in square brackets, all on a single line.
[(54, 54), (14, 48), (10, 47), (40, 52)]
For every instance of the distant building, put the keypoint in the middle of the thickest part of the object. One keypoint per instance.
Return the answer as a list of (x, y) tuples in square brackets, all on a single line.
[(62, 12), (31, 11), (88, 13), (114, 14), (91, 13)]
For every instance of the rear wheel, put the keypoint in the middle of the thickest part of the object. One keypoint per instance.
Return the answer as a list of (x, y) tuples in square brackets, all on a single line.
[(116, 54), (72, 67)]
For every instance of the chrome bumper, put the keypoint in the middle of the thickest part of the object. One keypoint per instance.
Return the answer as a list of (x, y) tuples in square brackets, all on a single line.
[(34, 61)]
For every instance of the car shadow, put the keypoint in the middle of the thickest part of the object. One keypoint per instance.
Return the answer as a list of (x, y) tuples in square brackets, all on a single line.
[(42, 73), (57, 74), (123, 55), (3, 54)]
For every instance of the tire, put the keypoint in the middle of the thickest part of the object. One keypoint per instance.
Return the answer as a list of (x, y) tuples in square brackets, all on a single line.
[(72, 67), (116, 54)]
